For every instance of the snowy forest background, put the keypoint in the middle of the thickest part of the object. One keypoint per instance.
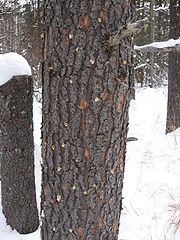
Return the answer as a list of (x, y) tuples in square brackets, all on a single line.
[(151, 205), (21, 31)]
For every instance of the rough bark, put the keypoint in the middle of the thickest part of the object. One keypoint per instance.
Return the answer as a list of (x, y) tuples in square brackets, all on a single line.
[(17, 155), (86, 94), (173, 108)]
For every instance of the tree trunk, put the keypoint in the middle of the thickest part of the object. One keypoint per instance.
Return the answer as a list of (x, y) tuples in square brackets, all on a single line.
[(152, 40), (173, 108), (17, 155), (86, 95)]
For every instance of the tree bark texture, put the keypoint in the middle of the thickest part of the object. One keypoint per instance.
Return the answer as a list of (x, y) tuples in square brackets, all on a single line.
[(173, 108), (17, 155), (86, 93)]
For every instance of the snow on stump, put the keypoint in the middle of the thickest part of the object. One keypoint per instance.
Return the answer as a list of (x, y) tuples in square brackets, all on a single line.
[(16, 146)]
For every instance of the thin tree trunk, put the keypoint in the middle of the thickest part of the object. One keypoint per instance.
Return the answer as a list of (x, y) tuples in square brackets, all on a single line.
[(86, 95), (17, 155), (173, 108), (152, 40)]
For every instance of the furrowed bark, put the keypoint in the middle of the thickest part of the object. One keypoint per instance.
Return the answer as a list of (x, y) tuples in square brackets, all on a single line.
[(86, 93), (17, 155)]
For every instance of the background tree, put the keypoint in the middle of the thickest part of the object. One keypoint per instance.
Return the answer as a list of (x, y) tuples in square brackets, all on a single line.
[(173, 109), (86, 95), (17, 155), (10, 26), (32, 29), (21, 32), (152, 67)]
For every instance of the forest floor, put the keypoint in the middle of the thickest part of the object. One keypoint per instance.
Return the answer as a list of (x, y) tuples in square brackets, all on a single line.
[(151, 183), (151, 205)]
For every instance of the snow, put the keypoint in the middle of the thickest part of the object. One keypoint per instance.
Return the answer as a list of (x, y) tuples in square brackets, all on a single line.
[(151, 205), (163, 8), (151, 185), (12, 64), (140, 66), (163, 44)]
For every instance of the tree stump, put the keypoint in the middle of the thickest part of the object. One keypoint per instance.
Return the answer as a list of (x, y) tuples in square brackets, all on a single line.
[(17, 154)]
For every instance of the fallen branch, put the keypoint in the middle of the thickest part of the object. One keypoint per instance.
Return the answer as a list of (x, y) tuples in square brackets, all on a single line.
[(164, 46)]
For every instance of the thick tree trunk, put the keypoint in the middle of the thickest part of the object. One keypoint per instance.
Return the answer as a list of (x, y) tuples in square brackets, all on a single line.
[(173, 109), (17, 155), (86, 95)]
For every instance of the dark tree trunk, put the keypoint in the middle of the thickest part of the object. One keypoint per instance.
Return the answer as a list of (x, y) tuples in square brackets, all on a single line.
[(86, 95), (173, 109), (152, 4), (17, 155)]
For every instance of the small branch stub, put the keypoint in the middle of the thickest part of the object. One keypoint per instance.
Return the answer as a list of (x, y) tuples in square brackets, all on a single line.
[(92, 61), (59, 168), (124, 32), (70, 36), (58, 198), (96, 99)]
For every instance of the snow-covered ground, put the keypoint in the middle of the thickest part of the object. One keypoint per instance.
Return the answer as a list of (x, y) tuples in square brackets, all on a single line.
[(151, 185)]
